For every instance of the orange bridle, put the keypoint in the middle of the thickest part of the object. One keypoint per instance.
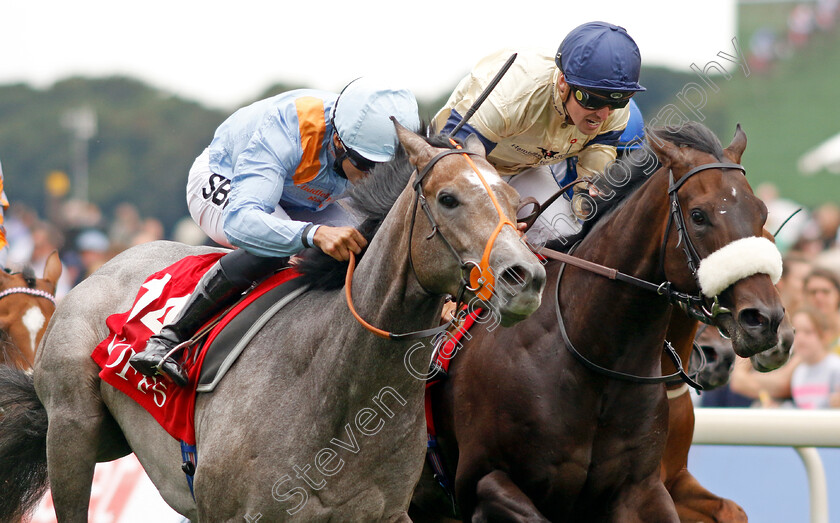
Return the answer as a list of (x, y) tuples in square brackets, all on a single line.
[(480, 279)]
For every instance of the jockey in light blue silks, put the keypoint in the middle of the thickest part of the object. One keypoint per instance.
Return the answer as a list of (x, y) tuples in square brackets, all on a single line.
[(267, 186)]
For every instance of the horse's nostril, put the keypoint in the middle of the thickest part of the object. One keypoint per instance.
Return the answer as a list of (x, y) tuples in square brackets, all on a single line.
[(757, 319), (710, 353), (752, 319), (516, 276)]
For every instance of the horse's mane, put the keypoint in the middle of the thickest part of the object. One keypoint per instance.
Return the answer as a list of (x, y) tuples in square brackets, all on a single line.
[(28, 275), (371, 198), (635, 168), (6, 347)]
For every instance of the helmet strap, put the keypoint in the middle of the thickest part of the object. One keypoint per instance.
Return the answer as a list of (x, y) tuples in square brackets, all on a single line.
[(338, 162), (564, 97)]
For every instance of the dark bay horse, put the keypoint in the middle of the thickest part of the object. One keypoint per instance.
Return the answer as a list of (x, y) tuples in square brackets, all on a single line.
[(318, 418), (26, 306), (535, 435)]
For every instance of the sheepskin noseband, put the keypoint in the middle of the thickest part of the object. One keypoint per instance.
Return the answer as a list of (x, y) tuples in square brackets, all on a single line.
[(738, 260)]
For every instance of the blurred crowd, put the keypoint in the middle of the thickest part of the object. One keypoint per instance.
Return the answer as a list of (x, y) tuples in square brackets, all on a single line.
[(810, 290), (84, 237), (767, 46)]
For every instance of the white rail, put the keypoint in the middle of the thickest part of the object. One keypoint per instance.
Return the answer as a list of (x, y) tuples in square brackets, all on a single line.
[(800, 429)]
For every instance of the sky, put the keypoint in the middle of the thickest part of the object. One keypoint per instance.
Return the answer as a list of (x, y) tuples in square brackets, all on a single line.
[(225, 53)]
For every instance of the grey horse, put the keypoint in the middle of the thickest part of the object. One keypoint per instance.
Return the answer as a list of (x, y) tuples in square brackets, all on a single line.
[(318, 419)]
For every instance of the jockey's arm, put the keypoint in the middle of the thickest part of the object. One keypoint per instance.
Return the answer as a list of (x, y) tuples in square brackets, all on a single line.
[(253, 217), (600, 151), (466, 130)]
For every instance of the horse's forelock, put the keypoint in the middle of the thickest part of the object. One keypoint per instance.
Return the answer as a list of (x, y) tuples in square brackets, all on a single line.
[(29, 277)]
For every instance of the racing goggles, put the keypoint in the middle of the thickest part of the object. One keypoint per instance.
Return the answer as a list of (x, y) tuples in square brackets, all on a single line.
[(592, 101), (357, 160)]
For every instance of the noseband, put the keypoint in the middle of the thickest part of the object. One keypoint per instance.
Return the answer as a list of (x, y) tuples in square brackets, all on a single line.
[(476, 277)]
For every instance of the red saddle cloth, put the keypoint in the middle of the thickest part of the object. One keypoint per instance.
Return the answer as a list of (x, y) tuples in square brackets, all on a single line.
[(160, 298)]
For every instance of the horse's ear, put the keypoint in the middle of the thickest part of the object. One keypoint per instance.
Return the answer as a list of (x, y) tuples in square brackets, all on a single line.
[(419, 151), (52, 269), (474, 145), (668, 153), (738, 145)]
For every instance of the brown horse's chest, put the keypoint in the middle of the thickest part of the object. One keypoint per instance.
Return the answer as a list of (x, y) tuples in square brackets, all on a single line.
[(566, 436)]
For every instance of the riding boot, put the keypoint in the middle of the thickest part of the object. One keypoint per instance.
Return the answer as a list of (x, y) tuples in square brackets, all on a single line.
[(213, 292)]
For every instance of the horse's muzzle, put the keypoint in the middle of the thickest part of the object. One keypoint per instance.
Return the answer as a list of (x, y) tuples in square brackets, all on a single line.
[(757, 329), (518, 291)]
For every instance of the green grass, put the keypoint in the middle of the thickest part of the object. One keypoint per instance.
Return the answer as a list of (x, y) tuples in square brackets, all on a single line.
[(752, 17), (786, 112)]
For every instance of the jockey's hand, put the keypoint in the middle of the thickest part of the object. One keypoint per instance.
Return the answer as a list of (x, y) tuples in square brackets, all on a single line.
[(594, 191), (339, 242), (520, 228), (448, 312)]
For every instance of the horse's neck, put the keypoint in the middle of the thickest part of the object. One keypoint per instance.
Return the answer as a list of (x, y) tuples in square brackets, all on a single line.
[(629, 240), (385, 291)]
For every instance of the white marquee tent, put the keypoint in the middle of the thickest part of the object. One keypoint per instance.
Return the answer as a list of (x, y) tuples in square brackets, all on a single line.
[(825, 156)]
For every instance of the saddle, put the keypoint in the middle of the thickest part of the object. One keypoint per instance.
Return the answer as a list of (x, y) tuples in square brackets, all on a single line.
[(228, 339), (219, 343)]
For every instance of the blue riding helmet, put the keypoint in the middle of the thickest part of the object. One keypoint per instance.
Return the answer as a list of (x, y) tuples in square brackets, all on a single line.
[(634, 134), (362, 117), (601, 56)]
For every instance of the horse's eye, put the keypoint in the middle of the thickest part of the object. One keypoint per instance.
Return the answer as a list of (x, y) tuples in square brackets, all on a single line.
[(448, 201), (698, 217)]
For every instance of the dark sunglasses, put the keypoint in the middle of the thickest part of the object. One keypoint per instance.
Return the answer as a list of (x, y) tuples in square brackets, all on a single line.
[(356, 160), (593, 102), (359, 162)]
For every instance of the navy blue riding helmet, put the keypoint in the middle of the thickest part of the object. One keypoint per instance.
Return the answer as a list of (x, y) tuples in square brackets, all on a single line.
[(601, 57)]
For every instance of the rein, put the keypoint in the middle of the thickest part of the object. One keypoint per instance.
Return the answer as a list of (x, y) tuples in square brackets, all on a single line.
[(693, 305), (622, 376), (27, 290), (663, 289), (477, 278)]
